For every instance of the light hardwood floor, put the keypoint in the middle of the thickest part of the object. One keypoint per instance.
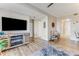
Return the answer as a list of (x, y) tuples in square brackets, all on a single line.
[(67, 45), (26, 50), (29, 49)]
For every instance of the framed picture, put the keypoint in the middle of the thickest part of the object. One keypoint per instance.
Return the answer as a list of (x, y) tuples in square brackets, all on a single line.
[(44, 25)]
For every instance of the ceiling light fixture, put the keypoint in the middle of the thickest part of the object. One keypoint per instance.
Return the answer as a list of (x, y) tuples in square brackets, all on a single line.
[(50, 5)]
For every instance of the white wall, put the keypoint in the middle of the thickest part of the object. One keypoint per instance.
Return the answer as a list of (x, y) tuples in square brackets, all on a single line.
[(74, 29), (40, 31), (36, 28), (7, 13)]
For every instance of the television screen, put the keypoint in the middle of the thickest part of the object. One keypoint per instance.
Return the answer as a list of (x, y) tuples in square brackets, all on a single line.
[(11, 24)]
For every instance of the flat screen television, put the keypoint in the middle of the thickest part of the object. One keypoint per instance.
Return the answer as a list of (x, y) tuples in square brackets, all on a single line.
[(12, 24)]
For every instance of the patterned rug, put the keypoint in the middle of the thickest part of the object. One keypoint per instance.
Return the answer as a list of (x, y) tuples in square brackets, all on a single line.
[(50, 51)]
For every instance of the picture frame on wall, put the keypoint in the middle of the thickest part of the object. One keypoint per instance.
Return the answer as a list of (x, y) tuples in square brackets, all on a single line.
[(44, 25)]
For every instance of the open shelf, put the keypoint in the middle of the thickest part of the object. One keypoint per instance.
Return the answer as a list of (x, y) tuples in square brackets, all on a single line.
[(15, 40)]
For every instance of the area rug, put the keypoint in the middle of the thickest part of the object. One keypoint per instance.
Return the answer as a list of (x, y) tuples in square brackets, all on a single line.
[(50, 51)]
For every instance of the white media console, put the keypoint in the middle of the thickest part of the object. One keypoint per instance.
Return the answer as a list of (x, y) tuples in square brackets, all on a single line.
[(15, 39)]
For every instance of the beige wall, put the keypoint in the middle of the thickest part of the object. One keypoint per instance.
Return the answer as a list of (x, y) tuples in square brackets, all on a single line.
[(51, 19), (36, 28), (62, 26)]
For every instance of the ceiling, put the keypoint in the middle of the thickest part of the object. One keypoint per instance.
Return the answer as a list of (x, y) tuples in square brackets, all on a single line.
[(58, 9), (21, 9), (38, 10)]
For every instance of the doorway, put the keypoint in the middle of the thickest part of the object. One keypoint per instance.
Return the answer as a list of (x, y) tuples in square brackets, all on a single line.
[(66, 27)]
